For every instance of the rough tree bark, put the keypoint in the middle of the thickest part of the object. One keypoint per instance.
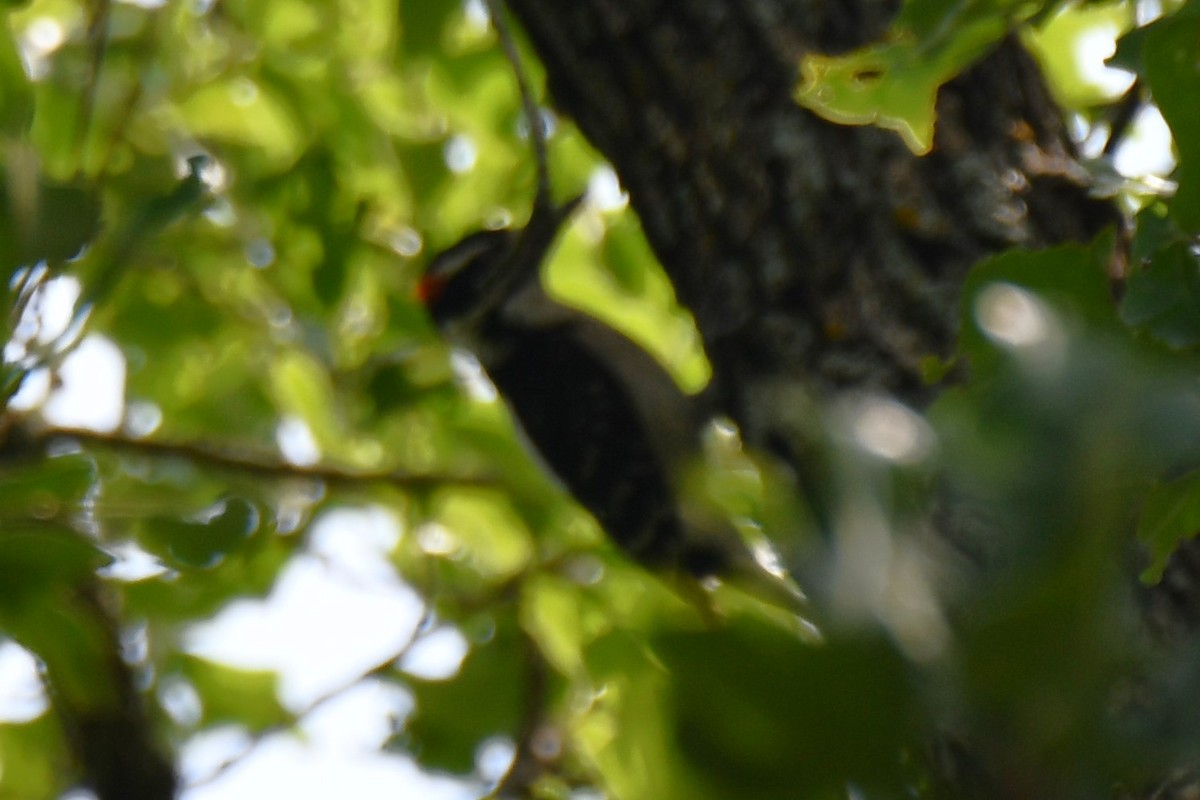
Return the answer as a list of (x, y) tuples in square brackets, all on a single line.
[(803, 248)]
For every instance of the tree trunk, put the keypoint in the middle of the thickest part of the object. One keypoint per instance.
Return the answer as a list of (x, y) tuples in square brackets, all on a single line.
[(811, 254), (807, 250)]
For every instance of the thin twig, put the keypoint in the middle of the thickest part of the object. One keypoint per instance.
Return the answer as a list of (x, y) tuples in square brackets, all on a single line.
[(526, 765), (98, 36), (533, 114), (251, 462), (1124, 112), (381, 668), (132, 97)]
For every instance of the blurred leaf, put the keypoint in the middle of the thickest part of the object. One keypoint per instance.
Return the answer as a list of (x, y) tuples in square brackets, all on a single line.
[(40, 558), (33, 758), (1128, 55), (1154, 230), (301, 388), (627, 255), (391, 388), (198, 594), (55, 128), (423, 25), (11, 378), (49, 604), (47, 487), (551, 611), (243, 112), (337, 224), (628, 725), (42, 219), (759, 714), (202, 541), (102, 268), (1040, 659), (1170, 515), (1169, 54), (231, 695), (1164, 297), (158, 212), (1072, 279), (1062, 46), (283, 23), (493, 539), (486, 698)]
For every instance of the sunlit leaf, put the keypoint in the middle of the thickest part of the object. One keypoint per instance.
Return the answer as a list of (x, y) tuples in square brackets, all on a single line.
[(242, 112), (231, 695), (628, 724), (33, 758), (1074, 31), (894, 84), (302, 389), (490, 536)]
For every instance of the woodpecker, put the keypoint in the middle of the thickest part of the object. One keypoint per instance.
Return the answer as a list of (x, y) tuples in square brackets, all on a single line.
[(600, 413)]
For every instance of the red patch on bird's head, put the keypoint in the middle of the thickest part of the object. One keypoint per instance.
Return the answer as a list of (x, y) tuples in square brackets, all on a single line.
[(429, 289)]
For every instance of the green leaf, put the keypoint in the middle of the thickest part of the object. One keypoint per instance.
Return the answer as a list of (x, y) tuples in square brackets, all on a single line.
[(1164, 298), (423, 26), (1170, 56), (38, 558), (493, 538), (629, 725), (484, 699), (1170, 514), (231, 695), (243, 112), (1154, 231), (1072, 279), (894, 84), (49, 605), (391, 388), (200, 593), (16, 95), (1064, 43), (204, 541), (42, 219), (759, 714), (34, 759), (46, 488)]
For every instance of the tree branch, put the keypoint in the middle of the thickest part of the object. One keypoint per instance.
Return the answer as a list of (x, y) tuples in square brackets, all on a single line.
[(247, 461)]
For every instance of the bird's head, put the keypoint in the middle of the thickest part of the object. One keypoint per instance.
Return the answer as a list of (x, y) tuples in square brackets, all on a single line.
[(456, 282)]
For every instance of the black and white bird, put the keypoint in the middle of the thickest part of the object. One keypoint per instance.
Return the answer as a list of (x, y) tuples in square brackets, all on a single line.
[(601, 413)]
